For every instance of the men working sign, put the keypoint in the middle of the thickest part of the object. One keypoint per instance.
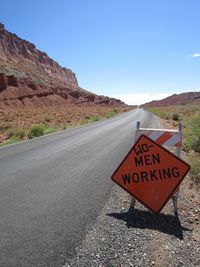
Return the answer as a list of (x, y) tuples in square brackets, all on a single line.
[(150, 173)]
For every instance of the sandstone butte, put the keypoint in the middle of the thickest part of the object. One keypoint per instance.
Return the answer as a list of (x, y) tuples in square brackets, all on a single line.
[(176, 99), (30, 78)]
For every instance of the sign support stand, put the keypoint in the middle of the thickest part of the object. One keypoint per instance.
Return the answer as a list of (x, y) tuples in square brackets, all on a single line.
[(132, 205), (176, 194)]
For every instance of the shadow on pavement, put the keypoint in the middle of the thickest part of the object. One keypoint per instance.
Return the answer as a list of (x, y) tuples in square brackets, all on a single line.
[(168, 224)]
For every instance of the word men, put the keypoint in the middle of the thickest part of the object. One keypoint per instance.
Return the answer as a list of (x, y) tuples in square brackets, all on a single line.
[(150, 173), (144, 159)]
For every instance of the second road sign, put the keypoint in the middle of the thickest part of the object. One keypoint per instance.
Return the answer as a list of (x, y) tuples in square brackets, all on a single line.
[(150, 173)]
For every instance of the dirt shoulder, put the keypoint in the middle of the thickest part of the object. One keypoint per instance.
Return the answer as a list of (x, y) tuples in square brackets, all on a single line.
[(120, 237)]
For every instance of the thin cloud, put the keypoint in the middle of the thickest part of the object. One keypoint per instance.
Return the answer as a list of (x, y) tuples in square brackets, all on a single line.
[(195, 55)]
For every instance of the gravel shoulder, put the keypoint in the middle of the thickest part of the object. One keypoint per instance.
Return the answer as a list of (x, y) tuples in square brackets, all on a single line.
[(120, 237)]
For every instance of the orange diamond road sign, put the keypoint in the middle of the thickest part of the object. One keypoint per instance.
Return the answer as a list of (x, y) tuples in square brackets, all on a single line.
[(150, 173)]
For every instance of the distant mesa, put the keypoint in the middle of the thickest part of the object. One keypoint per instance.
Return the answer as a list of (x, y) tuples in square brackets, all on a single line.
[(176, 99), (29, 77)]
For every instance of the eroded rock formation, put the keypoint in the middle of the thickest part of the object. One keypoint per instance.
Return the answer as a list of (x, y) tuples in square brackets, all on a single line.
[(30, 77)]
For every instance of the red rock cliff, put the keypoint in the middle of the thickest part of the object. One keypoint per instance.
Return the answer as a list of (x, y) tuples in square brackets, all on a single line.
[(29, 77), (16, 50)]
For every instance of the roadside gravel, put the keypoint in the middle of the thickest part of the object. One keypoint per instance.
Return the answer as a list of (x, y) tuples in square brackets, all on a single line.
[(120, 237)]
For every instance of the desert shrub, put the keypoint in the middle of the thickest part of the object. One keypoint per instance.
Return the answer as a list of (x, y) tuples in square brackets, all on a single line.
[(10, 132), (95, 118), (83, 121), (36, 130), (195, 170), (192, 142), (187, 143), (15, 133), (111, 114), (49, 130), (175, 116), (21, 134), (64, 127), (160, 113), (11, 71), (5, 126), (47, 117), (87, 119), (192, 135), (196, 144)]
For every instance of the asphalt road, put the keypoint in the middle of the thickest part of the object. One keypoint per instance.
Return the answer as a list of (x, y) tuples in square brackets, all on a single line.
[(53, 187)]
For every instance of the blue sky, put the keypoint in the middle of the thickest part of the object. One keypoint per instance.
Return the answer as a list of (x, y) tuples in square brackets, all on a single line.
[(137, 50)]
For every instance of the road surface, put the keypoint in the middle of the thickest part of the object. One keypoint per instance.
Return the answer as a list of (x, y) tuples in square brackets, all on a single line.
[(53, 187)]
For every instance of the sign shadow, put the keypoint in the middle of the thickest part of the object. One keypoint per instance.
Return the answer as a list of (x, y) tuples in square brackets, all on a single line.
[(166, 223)]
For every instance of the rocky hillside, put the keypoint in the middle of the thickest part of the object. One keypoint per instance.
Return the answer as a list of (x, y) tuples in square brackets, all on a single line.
[(29, 77), (176, 99)]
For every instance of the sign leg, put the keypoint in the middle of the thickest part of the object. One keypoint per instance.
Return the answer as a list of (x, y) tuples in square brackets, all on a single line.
[(175, 202), (133, 200), (175, 195), (132, 205)]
